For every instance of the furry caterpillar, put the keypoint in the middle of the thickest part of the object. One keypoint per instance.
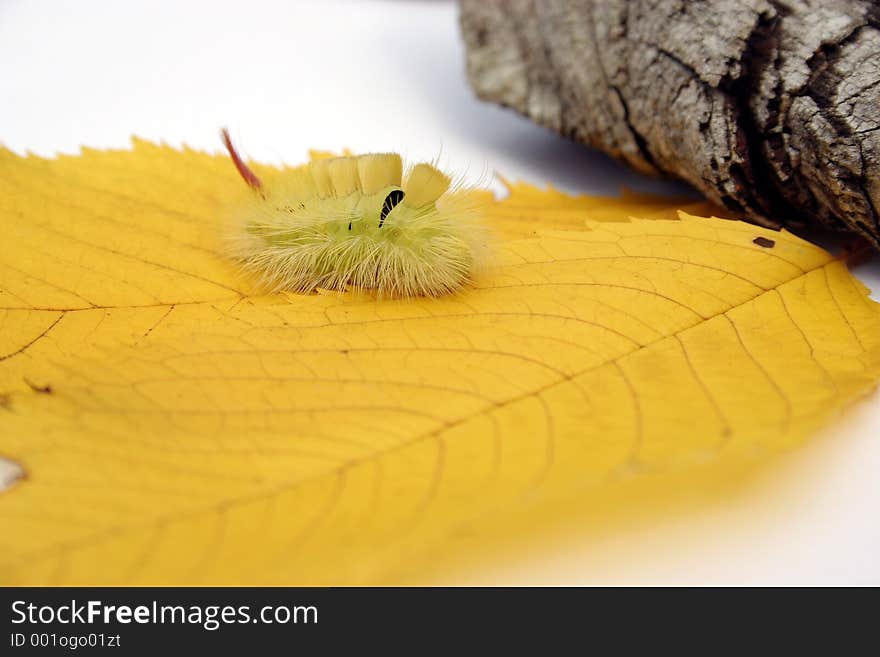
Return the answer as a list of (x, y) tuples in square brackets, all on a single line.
[(356, 222)]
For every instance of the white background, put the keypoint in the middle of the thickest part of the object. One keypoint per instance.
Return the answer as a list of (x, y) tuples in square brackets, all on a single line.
[(389, 75)]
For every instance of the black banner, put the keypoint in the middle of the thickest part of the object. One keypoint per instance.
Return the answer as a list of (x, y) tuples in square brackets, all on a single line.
[(413, 621)]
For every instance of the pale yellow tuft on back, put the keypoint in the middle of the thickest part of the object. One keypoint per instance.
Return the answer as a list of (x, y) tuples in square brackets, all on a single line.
[(321, 175), (424, 185), (343, 176), (379, 171)]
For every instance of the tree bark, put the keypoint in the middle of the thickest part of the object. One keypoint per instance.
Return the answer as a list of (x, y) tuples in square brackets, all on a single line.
[(769, 107)]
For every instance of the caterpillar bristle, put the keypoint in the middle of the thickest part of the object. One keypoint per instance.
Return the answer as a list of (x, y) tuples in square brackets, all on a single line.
[(424, 185), (321, 174), (379, 171), (343, 173)]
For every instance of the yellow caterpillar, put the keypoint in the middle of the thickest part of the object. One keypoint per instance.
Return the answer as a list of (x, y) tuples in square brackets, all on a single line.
[(357, 222)]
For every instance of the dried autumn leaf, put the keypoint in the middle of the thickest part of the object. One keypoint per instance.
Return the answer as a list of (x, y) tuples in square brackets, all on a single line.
[(177, 427)]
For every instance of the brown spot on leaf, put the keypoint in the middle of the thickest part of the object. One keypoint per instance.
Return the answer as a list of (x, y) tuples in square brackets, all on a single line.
[(764, 242), (43, 390)]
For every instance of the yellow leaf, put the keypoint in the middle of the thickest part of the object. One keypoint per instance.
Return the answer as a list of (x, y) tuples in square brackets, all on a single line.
[(175, 426), (516, 216)]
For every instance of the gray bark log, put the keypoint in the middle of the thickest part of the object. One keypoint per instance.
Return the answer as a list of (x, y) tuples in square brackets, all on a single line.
[(769, 107)]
